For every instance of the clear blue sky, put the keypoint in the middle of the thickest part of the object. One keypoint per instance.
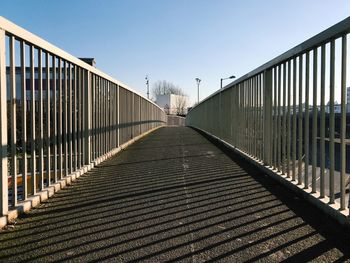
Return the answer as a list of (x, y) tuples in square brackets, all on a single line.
[(176, 40)]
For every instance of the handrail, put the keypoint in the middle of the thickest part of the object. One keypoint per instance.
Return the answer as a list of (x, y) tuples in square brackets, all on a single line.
[(333, 32), (64, 117), (21, 33), (283, 116)]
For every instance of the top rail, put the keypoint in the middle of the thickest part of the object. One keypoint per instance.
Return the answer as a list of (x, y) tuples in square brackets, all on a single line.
[(21, 33), (325, 36), (59, 117), (285, 116)]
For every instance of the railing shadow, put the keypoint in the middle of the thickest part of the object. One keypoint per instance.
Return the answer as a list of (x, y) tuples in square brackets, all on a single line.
[(192, 203)]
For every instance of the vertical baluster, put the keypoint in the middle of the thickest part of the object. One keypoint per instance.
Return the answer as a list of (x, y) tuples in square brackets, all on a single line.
[(3, 124), (79, 116), (48, 121), (275, 118), (289, 119), (75, 118), (300, 121), (284, 120), (343, 123), (60, 118), (294, 132), (322, 123), (13, 115), (65, 115), (70, 118), (279, 126), (307, 116), (54, 116), (24, 122), (118, 116), (331, 123), (314, 122), (32, 121)]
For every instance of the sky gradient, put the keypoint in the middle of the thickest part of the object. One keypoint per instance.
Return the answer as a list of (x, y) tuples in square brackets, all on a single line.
[(176, 40)]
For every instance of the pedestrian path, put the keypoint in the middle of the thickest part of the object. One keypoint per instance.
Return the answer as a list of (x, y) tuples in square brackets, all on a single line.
[(174, 196)]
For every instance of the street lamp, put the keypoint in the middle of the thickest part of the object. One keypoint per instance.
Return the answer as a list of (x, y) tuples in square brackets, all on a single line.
[(198, 82), (147, 84), (231, 77)]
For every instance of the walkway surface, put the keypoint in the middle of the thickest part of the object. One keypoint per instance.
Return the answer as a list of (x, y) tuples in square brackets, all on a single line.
[(174, 196)]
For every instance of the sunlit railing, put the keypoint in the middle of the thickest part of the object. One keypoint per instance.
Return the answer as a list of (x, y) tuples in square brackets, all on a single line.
[(58, 115), (292, 115)]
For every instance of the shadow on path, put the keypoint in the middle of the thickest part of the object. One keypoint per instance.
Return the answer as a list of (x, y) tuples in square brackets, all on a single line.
[(174, 196)]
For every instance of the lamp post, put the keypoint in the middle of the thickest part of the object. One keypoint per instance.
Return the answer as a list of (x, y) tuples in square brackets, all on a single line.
[(147, 84), (231, 77), (198, 82)]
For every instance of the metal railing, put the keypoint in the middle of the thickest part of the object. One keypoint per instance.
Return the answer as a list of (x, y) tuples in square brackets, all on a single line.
[(173, 120), (58, 115), (284, 115)]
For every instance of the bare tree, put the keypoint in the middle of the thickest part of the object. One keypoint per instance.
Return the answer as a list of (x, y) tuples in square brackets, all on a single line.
[(163, 87), (181, 103)]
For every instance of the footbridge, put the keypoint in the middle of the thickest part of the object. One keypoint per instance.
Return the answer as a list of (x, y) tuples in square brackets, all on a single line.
[(91, 172)]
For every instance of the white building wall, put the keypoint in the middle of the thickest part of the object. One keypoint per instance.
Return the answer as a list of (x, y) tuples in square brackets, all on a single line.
[(170, 102)]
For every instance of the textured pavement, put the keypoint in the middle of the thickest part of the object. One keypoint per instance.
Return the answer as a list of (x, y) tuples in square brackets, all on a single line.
[(174, 196)]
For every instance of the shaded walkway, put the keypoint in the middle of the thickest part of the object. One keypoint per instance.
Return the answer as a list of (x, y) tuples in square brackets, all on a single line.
[(174, 196)]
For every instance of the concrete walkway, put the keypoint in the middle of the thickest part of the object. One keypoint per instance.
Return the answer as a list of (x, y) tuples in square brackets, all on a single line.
[(174, 196)]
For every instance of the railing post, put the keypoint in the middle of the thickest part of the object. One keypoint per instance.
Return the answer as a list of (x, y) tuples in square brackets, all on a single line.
[(3, 128), (118, 117), (87, 117), (267, 108)]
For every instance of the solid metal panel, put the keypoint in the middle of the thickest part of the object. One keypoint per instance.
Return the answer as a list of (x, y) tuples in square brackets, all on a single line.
[(3, 127), (331, 122), (13, 120)]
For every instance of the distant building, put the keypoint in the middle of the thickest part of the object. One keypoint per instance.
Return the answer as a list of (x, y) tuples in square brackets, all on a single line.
[(173, 104)]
